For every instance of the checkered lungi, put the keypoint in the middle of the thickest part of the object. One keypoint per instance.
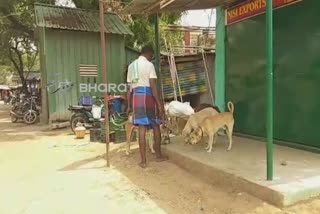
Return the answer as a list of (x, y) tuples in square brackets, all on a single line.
[(144, 107)]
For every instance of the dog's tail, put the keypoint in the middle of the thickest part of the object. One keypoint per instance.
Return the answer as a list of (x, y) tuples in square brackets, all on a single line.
[(230, 107)]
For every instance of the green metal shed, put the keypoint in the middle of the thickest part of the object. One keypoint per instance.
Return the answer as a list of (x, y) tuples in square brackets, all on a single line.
[(131, 54), (69, 47)]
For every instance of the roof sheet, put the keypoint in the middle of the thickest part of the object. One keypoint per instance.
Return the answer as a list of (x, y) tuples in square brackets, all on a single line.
[(154, 6), (56, 17)]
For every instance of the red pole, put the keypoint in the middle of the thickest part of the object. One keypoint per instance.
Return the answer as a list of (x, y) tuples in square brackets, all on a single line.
[(105, 78)]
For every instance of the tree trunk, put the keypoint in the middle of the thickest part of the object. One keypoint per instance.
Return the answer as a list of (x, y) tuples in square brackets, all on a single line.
[(23, 81), (19, 68)]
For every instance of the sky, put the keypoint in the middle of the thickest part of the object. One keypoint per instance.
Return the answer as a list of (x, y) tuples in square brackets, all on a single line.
[(192, 18), (199, 18)]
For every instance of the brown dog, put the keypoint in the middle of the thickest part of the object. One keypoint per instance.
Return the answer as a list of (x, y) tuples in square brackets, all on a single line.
[(205, 105), (210, 126), (195, 121)]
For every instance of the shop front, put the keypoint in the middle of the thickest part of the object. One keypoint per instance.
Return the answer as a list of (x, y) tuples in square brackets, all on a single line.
[(296, 72)]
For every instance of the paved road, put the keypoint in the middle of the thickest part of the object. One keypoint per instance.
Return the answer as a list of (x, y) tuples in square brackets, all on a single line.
[(42, 173)]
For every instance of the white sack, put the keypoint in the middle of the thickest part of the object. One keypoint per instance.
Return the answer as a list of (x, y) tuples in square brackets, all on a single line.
[(179, 109)]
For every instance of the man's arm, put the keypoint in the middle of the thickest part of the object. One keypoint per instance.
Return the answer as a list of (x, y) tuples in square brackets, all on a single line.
[(155, 92), (153, 85)]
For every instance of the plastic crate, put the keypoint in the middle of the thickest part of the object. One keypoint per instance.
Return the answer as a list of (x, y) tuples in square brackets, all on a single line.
[(120, 137), (86, 101), (116, 103)]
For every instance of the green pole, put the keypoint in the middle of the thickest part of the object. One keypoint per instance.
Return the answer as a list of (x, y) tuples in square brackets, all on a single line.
[(157, 43), (157, 50), (219, 73), (269, 30)]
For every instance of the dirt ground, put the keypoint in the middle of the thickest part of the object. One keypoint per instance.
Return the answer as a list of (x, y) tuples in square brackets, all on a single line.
[(51, 172)]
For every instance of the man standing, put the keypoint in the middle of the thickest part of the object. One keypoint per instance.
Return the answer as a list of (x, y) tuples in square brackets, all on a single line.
[(146, 106)]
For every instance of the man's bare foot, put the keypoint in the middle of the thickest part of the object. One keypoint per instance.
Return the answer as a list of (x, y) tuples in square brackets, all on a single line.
[(143, 165), (162, 158)]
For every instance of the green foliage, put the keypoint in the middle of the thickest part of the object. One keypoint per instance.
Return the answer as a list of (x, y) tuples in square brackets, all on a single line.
[(17, 35), (87, 4), (5, 72), (144, 30), (143, 26)]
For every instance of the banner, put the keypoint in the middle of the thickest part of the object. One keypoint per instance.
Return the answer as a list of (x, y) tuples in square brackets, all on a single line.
[(252, 8)]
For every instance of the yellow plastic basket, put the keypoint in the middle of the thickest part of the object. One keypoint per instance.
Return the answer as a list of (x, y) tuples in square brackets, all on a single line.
[(80, 134)]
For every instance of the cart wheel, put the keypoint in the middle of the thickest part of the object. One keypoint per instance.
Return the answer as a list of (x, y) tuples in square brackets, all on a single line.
[(30, 117)]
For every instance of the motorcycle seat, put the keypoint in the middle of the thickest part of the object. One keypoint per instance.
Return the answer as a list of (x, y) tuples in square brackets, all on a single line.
[(76, 107)]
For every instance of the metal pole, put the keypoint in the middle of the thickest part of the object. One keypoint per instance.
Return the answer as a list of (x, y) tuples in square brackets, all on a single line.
[(170, 69), (269, 45), (158, 56), (105, 78)]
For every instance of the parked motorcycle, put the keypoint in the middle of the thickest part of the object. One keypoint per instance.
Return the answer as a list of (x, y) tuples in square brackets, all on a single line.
[(83, 115), (26, 109)]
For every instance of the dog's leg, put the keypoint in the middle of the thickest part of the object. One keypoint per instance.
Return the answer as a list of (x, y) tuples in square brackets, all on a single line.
[(215, 136), (129, 132), (208, 146), (127, 128), (210, 142), (229, 133), (151, 141)]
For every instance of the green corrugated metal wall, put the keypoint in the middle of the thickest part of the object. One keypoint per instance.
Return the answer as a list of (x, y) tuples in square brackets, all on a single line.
[(65, 51), (131, 55), (296, 73)]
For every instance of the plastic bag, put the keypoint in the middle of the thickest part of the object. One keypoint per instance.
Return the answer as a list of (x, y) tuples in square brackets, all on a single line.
[(96, 111), (179, 109)]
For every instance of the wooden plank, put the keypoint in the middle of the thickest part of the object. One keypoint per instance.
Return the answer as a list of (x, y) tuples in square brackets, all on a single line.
[(61, 125)]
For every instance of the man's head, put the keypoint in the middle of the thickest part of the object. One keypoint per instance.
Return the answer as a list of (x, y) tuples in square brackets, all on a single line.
[(147, 52)]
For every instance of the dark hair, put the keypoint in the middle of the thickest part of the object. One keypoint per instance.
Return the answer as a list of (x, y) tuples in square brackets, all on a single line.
[(147, 50)]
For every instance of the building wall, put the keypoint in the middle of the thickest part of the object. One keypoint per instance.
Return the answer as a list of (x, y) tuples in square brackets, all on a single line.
[(296, 73), (64, 52)]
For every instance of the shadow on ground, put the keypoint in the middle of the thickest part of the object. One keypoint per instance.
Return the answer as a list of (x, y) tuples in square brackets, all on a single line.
[(19, 131), (173, 189)]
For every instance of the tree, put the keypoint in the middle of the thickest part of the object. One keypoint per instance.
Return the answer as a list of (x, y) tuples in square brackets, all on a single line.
[(144, 31), (17, 34)]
